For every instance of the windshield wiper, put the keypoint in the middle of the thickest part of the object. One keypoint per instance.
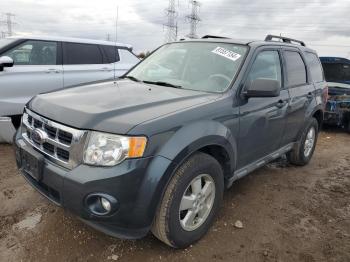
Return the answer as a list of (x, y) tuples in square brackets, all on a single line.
[(132, 78), (161, 83)]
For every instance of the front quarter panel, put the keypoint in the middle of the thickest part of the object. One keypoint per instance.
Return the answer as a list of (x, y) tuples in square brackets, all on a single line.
[(183, 143)]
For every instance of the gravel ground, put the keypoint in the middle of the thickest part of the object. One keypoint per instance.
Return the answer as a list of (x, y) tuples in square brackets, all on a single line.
[(288, 214)]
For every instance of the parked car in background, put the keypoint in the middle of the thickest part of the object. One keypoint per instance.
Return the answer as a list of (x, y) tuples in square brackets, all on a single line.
[(33, 65), (161, 144), (337, 72)]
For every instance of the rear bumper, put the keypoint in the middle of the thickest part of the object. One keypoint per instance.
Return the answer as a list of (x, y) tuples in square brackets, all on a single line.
[(7, 130), (134, 183)]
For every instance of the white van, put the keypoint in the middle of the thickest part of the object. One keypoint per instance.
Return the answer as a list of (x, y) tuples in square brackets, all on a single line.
[(33, 65)]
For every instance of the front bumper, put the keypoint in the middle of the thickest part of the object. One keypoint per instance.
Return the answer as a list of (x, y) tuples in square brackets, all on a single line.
[(136, 184), (7, 130)]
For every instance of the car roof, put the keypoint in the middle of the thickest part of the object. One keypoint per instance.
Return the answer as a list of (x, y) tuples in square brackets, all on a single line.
[(70, 39)]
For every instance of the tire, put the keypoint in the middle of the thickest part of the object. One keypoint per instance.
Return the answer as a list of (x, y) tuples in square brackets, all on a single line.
[(169, 225), (299, 155)]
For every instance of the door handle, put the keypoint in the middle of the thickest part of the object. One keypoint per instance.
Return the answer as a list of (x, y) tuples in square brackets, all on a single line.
[(310, 96), (105, 69), (52, 70), (281, 103)]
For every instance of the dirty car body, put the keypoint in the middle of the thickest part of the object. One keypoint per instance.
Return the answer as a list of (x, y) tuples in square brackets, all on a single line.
[(111, 153)]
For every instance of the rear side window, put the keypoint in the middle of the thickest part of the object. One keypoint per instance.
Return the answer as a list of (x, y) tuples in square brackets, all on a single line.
[(111, 53), (315, 67), (34, 52), (267, 65), (295, 67), (80, 54), (126, 57)]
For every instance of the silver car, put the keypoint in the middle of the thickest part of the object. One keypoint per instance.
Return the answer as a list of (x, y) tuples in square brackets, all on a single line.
[(33, 65)]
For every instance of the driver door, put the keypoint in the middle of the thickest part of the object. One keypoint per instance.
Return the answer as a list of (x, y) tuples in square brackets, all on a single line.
[(37, 69), (262, 119)]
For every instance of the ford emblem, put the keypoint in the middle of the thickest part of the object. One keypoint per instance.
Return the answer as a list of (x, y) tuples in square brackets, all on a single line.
[(38, 136)]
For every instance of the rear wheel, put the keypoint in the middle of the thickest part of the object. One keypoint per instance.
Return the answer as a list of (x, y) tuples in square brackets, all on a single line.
[(302, 152), (190, 202)]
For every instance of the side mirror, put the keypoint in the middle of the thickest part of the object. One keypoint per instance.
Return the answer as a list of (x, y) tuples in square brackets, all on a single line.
[(6, 61), (263, 87)]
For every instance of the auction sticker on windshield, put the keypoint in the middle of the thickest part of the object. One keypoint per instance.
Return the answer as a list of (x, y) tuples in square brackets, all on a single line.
[(226, 53)]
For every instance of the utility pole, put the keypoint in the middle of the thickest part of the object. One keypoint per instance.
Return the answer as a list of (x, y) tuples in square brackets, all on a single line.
[(171, 25), (193, 19), (108, 37), (9, 23)]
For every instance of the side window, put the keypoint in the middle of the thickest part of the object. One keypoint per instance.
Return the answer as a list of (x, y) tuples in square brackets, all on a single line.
[(315, 67), (295, 67), (111, 53), (126, 57), (267, 65), (82, 54), (34, 52)]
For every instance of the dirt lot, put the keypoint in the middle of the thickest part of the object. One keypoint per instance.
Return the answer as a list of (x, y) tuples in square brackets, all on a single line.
[(288, 214)]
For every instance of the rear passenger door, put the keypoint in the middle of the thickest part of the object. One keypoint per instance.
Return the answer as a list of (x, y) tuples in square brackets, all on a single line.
[(84, 63), (301, 90), (316, 73), (262, 119)]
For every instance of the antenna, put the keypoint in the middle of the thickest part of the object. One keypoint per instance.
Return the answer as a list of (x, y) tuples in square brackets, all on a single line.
[(171, 25), (193, 19), (116, 42)]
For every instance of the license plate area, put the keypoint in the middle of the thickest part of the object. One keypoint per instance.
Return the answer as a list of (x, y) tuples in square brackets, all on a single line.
[(32, 163)]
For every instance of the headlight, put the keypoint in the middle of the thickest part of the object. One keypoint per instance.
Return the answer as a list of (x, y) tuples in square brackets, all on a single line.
[(109, 150)]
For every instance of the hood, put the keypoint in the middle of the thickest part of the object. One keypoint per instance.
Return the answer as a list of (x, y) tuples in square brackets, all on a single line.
[(114, 107), (345, 84), (338, 89)]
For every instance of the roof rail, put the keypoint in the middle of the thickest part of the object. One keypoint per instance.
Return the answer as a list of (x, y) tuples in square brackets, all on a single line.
[(214, 36), (284, 39)]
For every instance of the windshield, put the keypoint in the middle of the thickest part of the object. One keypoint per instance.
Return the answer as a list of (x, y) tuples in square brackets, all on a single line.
[(4, 42), (337, 72), (198, 66)]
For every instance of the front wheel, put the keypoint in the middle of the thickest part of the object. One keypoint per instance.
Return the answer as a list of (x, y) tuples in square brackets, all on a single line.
[(302, 153), (190, 202)]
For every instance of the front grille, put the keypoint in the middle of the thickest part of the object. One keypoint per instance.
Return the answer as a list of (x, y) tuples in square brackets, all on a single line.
[(38, 123), (51, 131), (60, 143), (64, 137), (49, 148), (62, 154)]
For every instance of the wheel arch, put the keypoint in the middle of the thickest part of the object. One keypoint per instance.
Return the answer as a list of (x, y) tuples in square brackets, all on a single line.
[(208, 137)]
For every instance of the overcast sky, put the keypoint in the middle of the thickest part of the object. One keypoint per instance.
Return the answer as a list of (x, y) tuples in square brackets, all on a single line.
[(322, 24)]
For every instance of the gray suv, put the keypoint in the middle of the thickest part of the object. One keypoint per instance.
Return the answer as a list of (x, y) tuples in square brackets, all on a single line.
[(155, 150)]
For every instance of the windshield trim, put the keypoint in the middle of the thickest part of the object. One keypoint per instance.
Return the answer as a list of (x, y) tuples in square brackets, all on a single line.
[(201, 41)]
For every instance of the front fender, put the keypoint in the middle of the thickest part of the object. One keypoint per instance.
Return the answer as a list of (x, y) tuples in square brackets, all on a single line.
[(192, 137), (181, 144)]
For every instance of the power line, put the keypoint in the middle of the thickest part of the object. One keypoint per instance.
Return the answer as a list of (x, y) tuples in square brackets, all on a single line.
[(171, 25), (193, 19)]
